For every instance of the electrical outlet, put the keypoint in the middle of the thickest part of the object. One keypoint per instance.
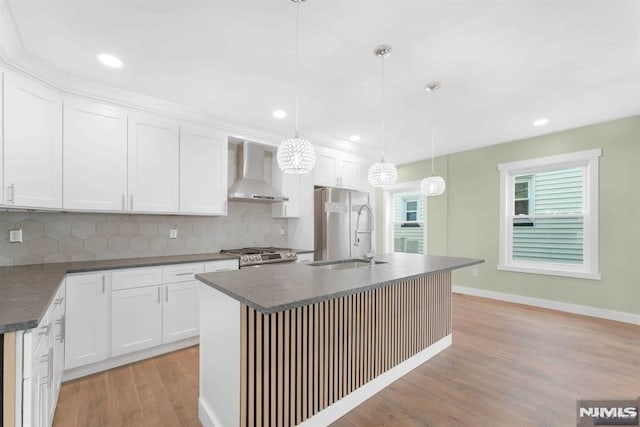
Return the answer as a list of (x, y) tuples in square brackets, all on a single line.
[(173, 233), (15, 236), (475, 272), (283, 231)]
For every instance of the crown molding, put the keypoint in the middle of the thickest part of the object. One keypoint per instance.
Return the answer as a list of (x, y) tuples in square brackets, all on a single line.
[(15, 57)]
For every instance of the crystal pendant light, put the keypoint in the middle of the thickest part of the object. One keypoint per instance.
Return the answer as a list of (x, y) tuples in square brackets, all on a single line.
[(382, 174), (296, 155), (433, 185)]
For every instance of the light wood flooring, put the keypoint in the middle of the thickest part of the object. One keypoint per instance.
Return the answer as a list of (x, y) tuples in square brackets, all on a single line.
[(509, 365)]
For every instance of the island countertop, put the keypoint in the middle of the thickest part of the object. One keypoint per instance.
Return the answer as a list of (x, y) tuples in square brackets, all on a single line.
[(280, 287)]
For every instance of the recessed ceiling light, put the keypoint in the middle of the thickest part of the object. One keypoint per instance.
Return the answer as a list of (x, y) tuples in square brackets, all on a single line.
[(541, 122), (354, 138), (279, 114), (110, 60)]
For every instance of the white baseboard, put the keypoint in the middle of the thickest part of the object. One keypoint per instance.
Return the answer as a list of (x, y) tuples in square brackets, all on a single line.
[(125, 359), (553, 305), (350, 401), (206, 415)]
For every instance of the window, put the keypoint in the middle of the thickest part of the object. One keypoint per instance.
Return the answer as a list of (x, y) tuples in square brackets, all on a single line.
[(408, 229), (549, 215), (410, 210)]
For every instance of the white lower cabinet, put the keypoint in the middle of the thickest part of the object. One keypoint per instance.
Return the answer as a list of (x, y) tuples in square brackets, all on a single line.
[(43, 351), (87, 318), (180, 311), (135, 319)]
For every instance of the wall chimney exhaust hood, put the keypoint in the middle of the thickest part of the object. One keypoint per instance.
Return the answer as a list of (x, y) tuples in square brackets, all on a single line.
[(250, 185)]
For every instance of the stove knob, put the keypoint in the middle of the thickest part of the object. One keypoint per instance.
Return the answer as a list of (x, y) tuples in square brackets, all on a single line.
[(244, 258), (256, 258), (291, 255)]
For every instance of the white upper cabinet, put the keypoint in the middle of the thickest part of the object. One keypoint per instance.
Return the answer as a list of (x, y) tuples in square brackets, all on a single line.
[(95, 157), (32, 144), (336, 169), (154, 150), (203, 172), (290, 186), (326, 170), (348, 173)]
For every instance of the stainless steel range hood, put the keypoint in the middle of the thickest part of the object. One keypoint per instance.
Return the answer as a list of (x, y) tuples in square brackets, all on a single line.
[(250, 185)]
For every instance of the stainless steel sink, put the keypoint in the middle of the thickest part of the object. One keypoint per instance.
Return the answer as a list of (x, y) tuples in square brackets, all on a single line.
[(344, 264)]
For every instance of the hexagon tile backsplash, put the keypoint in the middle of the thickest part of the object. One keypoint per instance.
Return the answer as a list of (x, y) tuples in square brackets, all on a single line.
[(58, 237)]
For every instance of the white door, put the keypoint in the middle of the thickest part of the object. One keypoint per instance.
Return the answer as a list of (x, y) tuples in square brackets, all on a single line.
[(180, 318), (32, 144), (95, 157), (203, 172), (86, 319), (325, 171), (154, 150), (136, 319), (348, 173)]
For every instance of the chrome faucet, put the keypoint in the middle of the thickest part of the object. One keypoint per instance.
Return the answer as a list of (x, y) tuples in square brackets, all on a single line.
[(369, 255)]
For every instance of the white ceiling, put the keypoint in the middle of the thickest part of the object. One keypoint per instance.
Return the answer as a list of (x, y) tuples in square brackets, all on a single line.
[(502, 63)]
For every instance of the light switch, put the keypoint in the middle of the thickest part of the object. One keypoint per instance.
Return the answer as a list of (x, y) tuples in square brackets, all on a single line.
[(15, 236), (475, 272), (173, 233)]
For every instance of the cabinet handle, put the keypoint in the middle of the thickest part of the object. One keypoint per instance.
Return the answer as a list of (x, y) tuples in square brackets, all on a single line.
[(131, 201), (159, 301), (58, 301), (166, 293), (11, 193), (123, 201), (185, 274), (285, 210), (45, 358), (225, 269), (46, 328), (104, 286)]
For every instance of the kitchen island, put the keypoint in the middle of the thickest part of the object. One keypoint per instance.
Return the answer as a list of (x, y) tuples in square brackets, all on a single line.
[(297, 344)]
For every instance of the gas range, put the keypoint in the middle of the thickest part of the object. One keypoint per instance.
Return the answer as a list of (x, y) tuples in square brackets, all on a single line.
[(250, 257)]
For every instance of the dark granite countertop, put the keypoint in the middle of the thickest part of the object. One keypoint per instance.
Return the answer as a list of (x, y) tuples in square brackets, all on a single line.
[(26, 291), (274, 288)]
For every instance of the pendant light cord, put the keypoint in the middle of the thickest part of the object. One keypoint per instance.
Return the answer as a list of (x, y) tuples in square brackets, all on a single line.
[(383, 109), (297, 64), (433, 121)]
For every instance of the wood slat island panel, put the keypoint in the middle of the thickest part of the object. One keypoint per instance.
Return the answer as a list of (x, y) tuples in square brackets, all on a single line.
[(298, 362)]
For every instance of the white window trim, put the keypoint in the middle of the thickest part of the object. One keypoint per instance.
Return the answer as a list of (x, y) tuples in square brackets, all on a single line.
[(387, 215), (588, 159)]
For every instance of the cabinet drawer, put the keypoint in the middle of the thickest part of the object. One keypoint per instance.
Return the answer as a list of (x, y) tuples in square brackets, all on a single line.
[(305, 257), (224, 265), (136, 278), (181, 272)]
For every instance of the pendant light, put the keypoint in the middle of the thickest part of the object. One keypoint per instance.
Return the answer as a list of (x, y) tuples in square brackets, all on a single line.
[(433, 185), (296, 155), (382, 174)]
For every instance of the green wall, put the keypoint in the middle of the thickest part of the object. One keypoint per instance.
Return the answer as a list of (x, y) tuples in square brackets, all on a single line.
[(465, 220)]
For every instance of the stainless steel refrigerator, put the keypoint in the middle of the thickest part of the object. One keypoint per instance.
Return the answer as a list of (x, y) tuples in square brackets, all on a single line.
[(336, 213)]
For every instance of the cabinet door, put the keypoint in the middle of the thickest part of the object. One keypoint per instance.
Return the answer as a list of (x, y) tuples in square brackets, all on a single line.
[(32, 144), (136, 319), (180, 317), (95, 157), (203, 172), (154, 150), (348, 173), (86, 319), (325, 172), (289, 186)]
